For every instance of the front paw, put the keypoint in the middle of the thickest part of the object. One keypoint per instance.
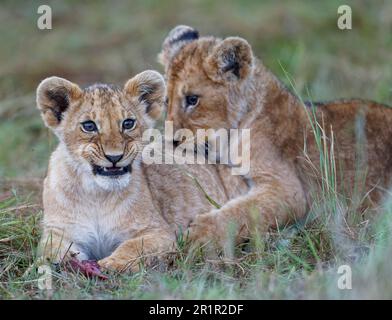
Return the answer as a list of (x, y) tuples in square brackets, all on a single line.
[(119, 264), (204, 230)]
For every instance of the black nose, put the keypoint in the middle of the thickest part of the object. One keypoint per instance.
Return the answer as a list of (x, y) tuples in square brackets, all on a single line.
[(114, 159)]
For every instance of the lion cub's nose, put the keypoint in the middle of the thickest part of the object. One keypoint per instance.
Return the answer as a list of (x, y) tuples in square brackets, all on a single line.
[(114, 159)]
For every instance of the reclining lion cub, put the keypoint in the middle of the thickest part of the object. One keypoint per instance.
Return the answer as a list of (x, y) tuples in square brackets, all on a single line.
[(215, 83), (100, 201)]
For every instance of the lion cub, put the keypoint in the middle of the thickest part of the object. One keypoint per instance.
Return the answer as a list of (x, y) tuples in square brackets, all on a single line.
[(219, 83), (100, 201)]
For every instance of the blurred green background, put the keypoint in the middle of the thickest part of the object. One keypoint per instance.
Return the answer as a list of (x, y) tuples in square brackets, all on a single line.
[(109, 41)]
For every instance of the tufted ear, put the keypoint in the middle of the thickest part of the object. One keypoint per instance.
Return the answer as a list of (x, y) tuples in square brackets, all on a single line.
[(176, 39), (149, 87), (54, 96), (231, 59)]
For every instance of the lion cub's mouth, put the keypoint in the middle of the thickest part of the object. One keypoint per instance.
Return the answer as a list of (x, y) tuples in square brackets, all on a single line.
[(111, 171)]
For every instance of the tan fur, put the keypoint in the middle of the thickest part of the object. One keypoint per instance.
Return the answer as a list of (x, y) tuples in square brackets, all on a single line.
[(118, 220), (236, 91)]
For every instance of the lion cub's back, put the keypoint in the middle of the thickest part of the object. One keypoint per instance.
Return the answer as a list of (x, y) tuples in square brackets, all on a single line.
[(362, 142)]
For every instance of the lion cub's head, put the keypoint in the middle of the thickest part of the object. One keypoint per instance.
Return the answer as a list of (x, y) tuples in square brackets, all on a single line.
[(101, 126), (206, 79)]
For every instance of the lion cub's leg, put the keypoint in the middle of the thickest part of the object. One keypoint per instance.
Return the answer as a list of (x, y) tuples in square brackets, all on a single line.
[(276, 198), (143, 248), (56, 246), (244, 217)]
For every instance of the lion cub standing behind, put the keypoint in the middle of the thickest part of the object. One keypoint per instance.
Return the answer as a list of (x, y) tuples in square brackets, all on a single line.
[(98, 203)]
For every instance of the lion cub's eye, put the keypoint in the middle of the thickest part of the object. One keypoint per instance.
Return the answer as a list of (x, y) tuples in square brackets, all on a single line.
[(89, 126), (129, 124), (191, 100)]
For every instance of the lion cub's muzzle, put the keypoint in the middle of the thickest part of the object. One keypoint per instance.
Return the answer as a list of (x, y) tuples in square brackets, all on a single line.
[(114, 170), (111, 171)]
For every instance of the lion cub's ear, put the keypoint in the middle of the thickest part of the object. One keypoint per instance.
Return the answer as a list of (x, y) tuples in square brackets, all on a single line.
[(149, 87), (175, 40), (231, 59), (54, 96)]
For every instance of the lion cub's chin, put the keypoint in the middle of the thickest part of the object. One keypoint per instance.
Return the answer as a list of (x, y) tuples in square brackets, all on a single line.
[(113, 184), (93, 182)]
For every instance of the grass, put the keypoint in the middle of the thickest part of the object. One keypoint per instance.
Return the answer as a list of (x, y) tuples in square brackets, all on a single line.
[(297, 262), (109, 42)]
